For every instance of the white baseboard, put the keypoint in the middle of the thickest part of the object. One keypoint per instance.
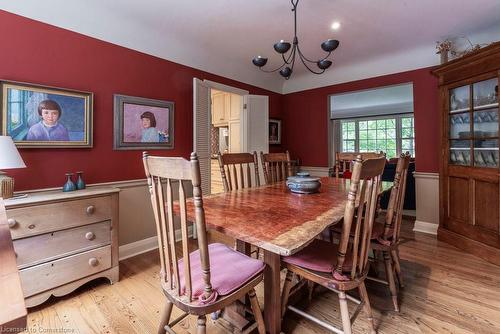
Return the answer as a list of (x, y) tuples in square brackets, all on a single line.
[(425, 227), (138, 247), (145, 245), (315, 171)]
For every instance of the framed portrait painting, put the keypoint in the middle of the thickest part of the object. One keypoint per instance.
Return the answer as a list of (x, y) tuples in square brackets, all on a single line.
[(46, 117), (141, 123), (274, 131)]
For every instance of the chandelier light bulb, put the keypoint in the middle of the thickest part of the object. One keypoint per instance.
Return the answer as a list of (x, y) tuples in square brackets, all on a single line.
[(336, 25)]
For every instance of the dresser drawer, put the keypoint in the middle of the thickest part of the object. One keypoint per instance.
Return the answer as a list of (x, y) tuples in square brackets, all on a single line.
[(58, 244), (52, 274), (46, 218)]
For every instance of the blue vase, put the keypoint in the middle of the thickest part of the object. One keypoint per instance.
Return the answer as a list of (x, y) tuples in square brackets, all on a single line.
[(69, 185), (80, 184)]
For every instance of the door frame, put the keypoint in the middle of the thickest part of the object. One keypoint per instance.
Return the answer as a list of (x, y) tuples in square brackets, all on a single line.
[(225, 88)]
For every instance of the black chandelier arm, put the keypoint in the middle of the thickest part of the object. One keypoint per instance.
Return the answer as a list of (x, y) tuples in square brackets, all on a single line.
[(274, 70), (310, 70), (292, 52), (312, 61)]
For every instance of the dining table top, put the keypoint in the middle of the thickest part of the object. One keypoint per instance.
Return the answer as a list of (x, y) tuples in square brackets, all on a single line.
[(275, 219)]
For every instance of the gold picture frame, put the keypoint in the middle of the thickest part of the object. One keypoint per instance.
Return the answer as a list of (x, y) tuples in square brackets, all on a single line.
[(38, 116)]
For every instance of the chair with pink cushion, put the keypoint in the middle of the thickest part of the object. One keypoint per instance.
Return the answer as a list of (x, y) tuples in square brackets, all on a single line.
[(344, 266), (198, 282), (385, 237)]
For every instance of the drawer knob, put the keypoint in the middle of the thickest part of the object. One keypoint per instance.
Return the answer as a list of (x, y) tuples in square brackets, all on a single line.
[(93, 262), (89, 235), (32, 226), (12, 222), (90, 209)]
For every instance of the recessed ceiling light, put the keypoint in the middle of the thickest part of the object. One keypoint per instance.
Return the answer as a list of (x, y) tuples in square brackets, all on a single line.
[(336, 25)]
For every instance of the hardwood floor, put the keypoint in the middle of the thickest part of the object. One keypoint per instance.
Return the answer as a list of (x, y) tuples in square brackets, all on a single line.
[(446, 291)]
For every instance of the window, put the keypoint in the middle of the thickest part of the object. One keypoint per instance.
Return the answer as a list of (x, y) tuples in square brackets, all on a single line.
[(407, 135), (349, 136), (391, 134), (17, 102)]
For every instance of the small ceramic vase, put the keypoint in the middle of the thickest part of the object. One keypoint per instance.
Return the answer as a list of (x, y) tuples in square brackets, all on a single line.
[(69, 185), (303, 183), (80, 184)]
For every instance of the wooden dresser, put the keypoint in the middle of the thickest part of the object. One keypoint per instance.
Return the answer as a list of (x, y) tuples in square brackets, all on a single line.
[(469, 170), (63, 240), (13, 311)]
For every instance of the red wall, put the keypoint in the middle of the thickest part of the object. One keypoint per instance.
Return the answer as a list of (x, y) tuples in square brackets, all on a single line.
[(305, 124), (39, 53)]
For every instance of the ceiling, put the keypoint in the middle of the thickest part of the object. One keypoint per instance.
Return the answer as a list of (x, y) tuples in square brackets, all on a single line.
[(221, 37)]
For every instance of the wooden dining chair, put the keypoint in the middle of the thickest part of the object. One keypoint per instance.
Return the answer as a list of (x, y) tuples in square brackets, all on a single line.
[(386, 234), (342, 267), (236, 173), (235, 169), (199, 282), (276, 166), (344, 160)]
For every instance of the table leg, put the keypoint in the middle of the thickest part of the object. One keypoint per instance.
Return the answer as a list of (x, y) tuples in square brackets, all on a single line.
[(272, 302)]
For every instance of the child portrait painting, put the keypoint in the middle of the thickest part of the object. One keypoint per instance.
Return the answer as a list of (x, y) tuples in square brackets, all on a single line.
[(143, 123), (38, 116)]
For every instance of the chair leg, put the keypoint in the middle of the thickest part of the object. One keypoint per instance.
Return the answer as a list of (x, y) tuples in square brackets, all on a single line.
[(257, 313), (389, 272), (165, 317), (286, 292), (344, 313), (376, 259), (310, 290), (397, 266), (367, 307), (202, 325)]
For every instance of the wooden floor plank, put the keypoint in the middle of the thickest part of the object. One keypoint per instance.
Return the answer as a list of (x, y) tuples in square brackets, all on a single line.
[(446, 291)]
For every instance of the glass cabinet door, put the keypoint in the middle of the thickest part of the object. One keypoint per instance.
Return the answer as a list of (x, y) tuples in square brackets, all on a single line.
[(485, 125), (473, 125), (459, 123)]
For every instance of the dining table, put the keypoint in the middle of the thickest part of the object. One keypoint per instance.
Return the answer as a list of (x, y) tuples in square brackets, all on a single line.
[(280, 223)]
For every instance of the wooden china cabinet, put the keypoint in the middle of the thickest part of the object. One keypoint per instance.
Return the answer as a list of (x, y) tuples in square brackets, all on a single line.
[(469, 168)]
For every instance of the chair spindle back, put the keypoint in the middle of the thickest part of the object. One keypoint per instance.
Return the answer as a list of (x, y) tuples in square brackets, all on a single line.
[(344, 160), (161, 172), (276, 166), (360, 213), (394, 213), (235, 169)]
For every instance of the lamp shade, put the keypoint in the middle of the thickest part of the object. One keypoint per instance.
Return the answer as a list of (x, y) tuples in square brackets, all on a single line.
[(9, 155)]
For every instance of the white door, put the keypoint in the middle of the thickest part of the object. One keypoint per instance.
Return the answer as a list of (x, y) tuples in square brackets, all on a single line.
[(201, 130), (255, 126)]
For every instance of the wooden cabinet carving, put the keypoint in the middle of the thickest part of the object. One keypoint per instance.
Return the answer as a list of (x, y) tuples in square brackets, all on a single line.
[(469, 168)]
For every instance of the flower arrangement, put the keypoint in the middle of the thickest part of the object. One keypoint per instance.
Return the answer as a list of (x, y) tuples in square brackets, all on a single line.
[(443, 48), (452, 47)]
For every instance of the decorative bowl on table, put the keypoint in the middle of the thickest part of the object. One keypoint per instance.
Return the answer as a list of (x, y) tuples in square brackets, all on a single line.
[(302, 183)]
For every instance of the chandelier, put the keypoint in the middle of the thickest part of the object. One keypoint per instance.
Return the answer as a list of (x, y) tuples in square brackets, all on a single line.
[(282, 47)]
